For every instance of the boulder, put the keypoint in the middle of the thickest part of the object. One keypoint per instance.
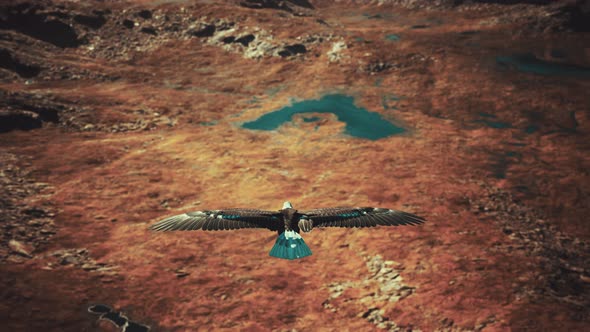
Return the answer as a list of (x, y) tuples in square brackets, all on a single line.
[(294, 49), (11, 62), (27, 20)]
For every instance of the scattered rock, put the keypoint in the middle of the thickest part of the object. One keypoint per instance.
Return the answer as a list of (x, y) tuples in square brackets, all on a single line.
[(336, 53), (446, 323), (290, 6), (129, 24), (259, 49), (565, 260), (80, 258), (375, 316), (294, 49), (181, 273), (149, 30), (383, 275), (35, 212), (253, 45), (89, 267), (20, 248), (228, 40), (246, 39), (26, 111), (26, 223), (377, 66), (322, 22), (204, 30), (145, 14)]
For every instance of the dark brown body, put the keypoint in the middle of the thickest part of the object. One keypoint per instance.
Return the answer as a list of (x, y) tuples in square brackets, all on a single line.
[(290, 218)]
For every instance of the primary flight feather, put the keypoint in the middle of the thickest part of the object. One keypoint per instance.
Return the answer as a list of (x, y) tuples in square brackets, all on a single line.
[(288, 222)]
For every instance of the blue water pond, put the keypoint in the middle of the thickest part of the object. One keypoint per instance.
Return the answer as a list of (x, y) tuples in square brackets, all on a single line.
[(530, 64), (208, 123), (531, 128), (392, 37), (359, 122), (495, 124), (489, 120)]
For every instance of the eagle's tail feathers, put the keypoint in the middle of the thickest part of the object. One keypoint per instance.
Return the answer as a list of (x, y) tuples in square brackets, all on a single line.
[(290, 245)]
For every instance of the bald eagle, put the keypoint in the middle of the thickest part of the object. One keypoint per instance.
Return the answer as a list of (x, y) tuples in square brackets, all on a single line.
[(287, 222)]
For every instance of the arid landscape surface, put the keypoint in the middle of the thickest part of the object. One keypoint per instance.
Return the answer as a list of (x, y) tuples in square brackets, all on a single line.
[(114, 115)]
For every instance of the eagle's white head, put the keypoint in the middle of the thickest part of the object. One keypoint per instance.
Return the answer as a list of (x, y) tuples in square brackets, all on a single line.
[(287, 205)]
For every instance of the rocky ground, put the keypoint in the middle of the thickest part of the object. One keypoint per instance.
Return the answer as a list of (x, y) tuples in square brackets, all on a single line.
[(115, 114)]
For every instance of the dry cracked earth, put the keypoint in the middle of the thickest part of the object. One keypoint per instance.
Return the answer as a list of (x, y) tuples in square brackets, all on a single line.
[(116, 114)]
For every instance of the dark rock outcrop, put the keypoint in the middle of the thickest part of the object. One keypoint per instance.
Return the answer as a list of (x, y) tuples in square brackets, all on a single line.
[(228, 40), (205, 30), (19, 120), (9, 62), (149, 31), (28, 20), (145, 14), (94, 22), (129, 24), (288, 5), (378, 66), (577, 16), (294, 49), (25, 112), (245, 40)]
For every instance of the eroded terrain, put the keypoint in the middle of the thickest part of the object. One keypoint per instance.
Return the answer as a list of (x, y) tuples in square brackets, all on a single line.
[(114, 115)]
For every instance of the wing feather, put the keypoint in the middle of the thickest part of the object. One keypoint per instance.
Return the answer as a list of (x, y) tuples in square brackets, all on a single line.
[(372, 221), (206, 224), (360, 217), (193, 224), (182, 223), (168, 223), (220, 220), (383, 221), (199, 223), (357, 222)]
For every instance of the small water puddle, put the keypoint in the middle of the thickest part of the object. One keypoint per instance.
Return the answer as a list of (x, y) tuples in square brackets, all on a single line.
[(359, 122), (491, 121), (389, 101), (500, 162), (529, 63), (392, 37)]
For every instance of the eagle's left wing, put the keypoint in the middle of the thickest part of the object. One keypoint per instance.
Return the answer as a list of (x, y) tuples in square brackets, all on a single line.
[(220, 220), (356, 217)]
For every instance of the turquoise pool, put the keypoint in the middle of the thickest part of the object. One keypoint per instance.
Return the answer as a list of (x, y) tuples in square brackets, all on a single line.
[(359, 122)]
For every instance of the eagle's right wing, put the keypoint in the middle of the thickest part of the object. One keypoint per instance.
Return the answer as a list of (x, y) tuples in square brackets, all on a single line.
[(220, 220)]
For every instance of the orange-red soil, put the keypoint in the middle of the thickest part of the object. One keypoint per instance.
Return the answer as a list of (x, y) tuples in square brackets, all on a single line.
[(498, 252)]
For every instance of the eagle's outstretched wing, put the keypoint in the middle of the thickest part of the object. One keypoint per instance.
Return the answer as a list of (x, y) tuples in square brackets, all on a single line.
[(356, 217), (220, 220)]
